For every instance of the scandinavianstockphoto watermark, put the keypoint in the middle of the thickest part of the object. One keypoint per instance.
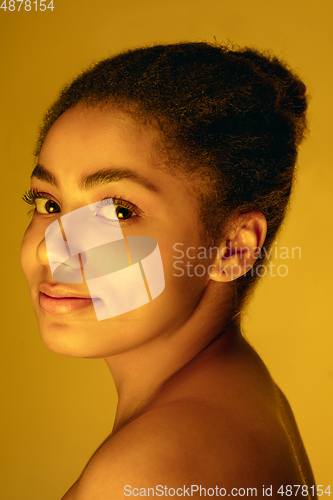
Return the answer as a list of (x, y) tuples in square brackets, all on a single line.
[(192, 261)]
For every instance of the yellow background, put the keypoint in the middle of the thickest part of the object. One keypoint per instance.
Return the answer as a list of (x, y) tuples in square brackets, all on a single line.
[(56, 410)]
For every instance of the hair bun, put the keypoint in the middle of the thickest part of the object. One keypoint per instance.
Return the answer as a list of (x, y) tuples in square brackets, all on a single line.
[(289, 90)]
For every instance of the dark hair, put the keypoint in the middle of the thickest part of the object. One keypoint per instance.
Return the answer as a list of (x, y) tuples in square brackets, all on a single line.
[(231, 119)]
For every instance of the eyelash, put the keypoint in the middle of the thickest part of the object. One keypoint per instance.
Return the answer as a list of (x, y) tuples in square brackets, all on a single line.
[(32, 195)]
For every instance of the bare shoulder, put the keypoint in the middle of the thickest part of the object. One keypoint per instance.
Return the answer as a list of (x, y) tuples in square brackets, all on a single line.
[(187, 444)]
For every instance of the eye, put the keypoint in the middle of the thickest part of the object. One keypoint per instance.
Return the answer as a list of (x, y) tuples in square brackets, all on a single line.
[(43, 203), (124, 213), (46, 206), (114, 209)]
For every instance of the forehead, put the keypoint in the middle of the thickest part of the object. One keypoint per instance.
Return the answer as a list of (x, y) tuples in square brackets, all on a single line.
[(104, 133)]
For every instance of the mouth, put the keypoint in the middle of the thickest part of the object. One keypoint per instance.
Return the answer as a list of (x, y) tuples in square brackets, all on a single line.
[(62, 305), (57, 300)]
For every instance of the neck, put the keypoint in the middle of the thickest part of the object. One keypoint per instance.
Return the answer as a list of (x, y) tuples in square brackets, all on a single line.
[(139, 373)]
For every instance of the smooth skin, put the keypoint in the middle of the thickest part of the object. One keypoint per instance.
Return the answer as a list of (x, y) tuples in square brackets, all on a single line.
[(196, 404)]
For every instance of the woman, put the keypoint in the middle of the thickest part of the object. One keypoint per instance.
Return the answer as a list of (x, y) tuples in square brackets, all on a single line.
[(193, 146)]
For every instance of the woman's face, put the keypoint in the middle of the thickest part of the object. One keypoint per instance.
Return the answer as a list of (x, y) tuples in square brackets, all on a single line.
[(148, 202)]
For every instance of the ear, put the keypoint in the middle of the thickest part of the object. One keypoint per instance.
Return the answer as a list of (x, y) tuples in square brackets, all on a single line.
[(240, 249)]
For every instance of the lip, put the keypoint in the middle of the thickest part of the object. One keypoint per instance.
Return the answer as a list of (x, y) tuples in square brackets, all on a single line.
[(59, 300), (63, 305), (60, 292)]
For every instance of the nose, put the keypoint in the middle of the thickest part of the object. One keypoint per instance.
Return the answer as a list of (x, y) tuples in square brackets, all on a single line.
[(41, 253), (53, 251)]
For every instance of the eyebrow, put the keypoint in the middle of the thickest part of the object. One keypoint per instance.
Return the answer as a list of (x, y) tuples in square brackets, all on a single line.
[(98, 178)]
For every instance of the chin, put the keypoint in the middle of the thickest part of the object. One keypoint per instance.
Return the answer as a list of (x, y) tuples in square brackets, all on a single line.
[(63, 338), (88, 338)]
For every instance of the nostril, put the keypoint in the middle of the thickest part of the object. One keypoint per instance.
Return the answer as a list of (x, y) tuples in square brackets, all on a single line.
[(69, 271)]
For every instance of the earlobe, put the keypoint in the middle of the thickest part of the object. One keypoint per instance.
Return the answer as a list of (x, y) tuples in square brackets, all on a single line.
[(240, 250)]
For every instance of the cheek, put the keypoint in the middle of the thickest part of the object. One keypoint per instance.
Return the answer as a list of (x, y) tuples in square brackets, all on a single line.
[(185, 281)]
